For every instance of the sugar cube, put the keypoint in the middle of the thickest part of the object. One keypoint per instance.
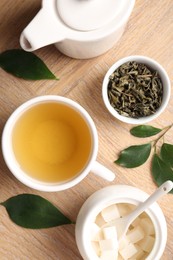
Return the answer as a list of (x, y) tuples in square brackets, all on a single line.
[(139, 255), (147, 226), (110, 213), (95, 230), (135, 234), (123, 209), (136, 222), (96, 247), (123, 243), (99, 220), (147, 243), (96, 233), (128, 251), (119, 257), (108, 244), (109, 255), (110, 233)]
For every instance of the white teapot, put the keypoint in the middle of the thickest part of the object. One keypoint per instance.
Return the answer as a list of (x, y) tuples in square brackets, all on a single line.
[(79, 28)]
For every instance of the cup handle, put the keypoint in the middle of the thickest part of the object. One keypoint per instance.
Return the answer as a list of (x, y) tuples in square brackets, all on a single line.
[(103, 172)]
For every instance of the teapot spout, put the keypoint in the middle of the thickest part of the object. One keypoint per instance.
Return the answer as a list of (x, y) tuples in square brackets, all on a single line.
[(43, 30)]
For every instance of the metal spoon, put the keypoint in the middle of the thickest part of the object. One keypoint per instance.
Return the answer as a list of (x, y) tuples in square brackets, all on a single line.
[(122, 224)]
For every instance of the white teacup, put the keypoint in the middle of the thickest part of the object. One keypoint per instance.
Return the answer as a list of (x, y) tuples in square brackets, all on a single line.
[(41, 132)]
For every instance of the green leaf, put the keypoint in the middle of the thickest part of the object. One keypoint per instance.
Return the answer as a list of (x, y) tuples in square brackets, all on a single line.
[(32, 211), (24, 65), (134, 156), (161, 171), (166, 153), (144, 131)]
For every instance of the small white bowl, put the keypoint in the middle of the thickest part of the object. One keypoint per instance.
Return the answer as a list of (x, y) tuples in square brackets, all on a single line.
[(154, 65), (110, 195)]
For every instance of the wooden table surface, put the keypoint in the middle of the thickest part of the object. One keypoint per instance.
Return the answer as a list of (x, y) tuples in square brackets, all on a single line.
[(149, 32)]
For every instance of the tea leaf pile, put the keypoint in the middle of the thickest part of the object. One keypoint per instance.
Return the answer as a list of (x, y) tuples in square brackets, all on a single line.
[(134, 90), (136, 155)]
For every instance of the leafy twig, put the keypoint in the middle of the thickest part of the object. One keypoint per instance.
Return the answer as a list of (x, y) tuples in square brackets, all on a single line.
[(136, 155)]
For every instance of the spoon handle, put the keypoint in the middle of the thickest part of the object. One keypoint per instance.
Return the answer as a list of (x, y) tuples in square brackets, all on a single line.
[(163, 189)]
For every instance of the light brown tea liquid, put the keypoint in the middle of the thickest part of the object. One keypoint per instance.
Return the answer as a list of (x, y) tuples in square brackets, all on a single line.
[(51, 142)]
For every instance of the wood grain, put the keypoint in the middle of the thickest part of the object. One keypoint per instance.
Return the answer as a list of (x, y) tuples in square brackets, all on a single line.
[(148, 32)]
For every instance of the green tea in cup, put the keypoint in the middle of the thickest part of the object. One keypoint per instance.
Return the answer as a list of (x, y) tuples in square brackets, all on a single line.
[(50, 143)]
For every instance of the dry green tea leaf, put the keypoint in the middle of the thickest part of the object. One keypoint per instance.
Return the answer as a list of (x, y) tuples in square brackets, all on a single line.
[(134, 90)]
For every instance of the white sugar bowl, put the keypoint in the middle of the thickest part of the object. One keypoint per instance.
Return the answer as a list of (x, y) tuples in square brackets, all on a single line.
[(116, 195)]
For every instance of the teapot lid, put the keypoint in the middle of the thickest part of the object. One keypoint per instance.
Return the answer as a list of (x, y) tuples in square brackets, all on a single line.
[(87, 15)]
